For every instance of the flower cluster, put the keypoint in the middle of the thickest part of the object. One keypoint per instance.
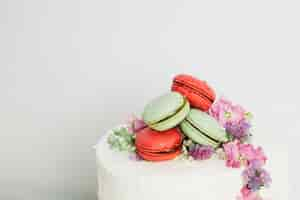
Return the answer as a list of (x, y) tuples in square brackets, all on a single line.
[(121, 139), (252, 155), (241, 153), (238, 129), (236, 122), (201, 152), (233, 118), (232, 154), (254, 176)]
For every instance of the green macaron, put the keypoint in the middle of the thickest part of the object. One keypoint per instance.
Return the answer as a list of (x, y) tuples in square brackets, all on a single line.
[(203, 129), (166, 111)]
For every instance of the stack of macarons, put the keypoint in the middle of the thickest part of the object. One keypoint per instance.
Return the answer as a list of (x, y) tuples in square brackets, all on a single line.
[(178, 114)]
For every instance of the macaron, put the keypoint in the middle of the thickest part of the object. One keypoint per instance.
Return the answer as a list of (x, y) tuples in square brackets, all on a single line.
[(153, 145), (166, 111), (203, 129), (198, 92)]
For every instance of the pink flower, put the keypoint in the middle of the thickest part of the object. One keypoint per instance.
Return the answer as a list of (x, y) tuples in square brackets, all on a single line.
[(245, 191), (247, 194), (249, 153), (232, 154), (129, 121), (236, 152), (135, 124), (237, 113), (224, 111), (138, 125)]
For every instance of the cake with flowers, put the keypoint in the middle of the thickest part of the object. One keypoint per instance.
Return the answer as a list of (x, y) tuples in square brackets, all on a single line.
[(187, 144)]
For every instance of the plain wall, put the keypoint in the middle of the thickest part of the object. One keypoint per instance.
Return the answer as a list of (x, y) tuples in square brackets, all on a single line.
[(69, 70)]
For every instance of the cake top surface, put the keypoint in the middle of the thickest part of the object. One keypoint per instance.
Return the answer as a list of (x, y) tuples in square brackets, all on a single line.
[(119, 163)]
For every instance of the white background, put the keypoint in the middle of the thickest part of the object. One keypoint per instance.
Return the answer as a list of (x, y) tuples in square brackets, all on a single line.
[(69, 70)]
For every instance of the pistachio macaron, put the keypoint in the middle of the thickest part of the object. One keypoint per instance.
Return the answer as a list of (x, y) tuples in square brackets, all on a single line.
[(203, 129), (166, 111)]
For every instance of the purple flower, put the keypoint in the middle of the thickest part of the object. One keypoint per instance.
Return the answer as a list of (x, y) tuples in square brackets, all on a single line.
[(201, 152), (234, 118), (237, 129), (255, 178)]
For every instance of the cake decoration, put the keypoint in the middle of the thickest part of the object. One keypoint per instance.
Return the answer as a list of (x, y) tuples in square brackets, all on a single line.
[(234, 118), (166, 111), (152, 145), (122, 139), (200, 152), (198, 92), (190, 123), (203, 129)]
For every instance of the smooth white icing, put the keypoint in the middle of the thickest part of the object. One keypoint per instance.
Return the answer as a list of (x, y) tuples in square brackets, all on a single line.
[(120, 178)]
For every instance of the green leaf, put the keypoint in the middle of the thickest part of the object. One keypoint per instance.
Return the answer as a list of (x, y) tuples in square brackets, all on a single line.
[(248, 115)]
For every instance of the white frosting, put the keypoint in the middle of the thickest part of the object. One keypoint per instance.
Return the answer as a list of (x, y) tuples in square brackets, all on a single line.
[(120, 178)]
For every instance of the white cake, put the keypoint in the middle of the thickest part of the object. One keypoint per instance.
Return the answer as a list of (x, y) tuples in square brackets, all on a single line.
[(206, 178), (120, 178)]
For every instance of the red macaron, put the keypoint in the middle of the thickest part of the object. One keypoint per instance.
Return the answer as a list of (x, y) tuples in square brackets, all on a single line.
[(198, 92), (152, 145)]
